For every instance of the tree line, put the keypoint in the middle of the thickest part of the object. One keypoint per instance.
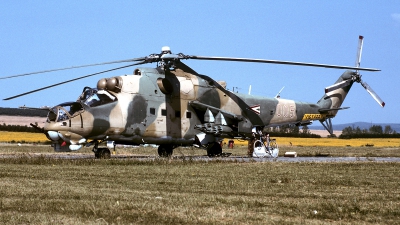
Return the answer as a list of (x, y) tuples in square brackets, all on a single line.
[(23, 112), (18, 128), (375, 131), (291, 131)]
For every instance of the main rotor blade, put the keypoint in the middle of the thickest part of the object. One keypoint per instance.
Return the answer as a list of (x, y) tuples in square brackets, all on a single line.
[(74, 67), (280, 62), (373, 94), (75, 79)]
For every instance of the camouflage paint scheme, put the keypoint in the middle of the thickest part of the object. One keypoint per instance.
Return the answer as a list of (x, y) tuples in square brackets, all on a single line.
[(175, 108)]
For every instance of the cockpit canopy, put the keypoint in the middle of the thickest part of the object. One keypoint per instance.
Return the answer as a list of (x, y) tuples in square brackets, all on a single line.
[(90, 97), (93, 97), (64, 111)]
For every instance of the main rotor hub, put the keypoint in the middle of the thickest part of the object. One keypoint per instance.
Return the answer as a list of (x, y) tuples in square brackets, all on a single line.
[(166, 50)]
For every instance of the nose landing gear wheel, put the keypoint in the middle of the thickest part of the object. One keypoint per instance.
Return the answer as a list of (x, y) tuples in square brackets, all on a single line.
[(102, 153), (165, 150)]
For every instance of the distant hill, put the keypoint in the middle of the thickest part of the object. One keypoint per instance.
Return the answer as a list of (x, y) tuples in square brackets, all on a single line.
[(23, 112), (362, 125)]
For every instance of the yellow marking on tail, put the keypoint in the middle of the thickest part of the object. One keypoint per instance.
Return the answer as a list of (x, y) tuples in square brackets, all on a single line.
[(313, 116)]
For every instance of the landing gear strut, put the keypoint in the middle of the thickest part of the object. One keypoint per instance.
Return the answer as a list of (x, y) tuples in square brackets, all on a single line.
[(328, 126), (165, 150)]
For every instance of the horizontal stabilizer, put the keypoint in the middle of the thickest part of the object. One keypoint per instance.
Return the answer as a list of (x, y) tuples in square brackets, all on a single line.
[(328, 110)]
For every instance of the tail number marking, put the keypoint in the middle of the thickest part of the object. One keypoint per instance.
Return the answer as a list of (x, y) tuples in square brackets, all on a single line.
[(285, 110), (313, 116)]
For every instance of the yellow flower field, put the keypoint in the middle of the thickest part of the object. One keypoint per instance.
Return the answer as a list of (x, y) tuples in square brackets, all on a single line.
[(22, 136), (282, 141), (332, 142)]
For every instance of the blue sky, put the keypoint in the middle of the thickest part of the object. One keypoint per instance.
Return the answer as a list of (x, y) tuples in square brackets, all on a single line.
[(40, 35)]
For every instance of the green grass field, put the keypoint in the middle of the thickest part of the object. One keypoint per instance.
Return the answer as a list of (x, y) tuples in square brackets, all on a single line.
[(41, 190)]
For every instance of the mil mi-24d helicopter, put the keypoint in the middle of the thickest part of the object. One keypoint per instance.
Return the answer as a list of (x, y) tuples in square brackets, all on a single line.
[(172, 105)]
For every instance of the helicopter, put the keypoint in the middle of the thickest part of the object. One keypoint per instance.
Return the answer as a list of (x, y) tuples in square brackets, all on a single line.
[(172, 105)]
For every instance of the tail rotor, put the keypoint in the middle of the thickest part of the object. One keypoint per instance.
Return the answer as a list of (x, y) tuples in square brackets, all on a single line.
[(356, 77), (372, 93)]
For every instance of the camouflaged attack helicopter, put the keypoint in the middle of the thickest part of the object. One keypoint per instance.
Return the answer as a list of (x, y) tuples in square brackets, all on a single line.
[(172, 105)]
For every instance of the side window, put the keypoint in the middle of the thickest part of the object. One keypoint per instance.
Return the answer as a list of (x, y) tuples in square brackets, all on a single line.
[(178, 114), (152, 111)]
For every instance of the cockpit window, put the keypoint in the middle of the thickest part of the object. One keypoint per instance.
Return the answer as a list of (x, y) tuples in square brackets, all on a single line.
[(86, 93), (93, 97), (62, 115), (73, 108), (64, 111)]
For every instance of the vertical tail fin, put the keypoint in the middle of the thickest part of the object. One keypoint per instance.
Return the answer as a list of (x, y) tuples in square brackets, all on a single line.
[(335, 94)]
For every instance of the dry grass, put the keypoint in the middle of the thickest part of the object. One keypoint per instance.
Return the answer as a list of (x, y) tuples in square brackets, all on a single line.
[(41, 190), (54, 191), (238, 151)]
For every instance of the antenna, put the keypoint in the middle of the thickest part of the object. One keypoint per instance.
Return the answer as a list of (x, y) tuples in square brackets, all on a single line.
[(279, 93), (237, 89)]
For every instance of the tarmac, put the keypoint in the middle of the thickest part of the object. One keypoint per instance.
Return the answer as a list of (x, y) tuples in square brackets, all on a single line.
[(206, 158)]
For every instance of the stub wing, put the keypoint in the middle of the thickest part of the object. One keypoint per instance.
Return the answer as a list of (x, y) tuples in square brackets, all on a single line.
[(214, 121), (215, 111)]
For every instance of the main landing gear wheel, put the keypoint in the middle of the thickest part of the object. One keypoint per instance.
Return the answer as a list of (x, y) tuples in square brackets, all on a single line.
[(214, 149), (102, 153), (165, 150)]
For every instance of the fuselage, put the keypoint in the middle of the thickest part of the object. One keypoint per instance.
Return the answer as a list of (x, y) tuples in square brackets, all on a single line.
[(154, 106)]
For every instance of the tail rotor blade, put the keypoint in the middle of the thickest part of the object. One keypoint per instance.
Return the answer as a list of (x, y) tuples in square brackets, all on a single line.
[(373, 94), (359, 50)]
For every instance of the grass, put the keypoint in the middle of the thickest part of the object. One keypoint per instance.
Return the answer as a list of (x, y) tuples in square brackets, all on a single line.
[(238, 151), (43, 190), (47, 191)]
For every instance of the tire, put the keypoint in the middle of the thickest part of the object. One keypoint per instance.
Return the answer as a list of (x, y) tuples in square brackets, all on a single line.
[(214, 150), (165, 151), (102, 153)]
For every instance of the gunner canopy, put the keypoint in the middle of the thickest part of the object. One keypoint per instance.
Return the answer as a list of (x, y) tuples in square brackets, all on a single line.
[(93, 97)]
